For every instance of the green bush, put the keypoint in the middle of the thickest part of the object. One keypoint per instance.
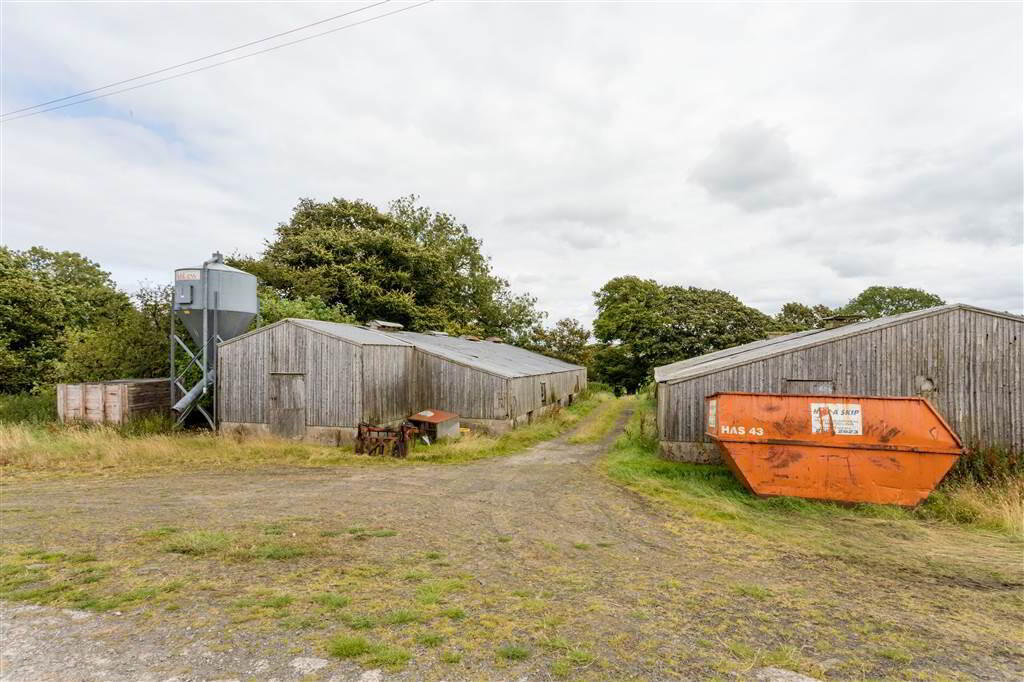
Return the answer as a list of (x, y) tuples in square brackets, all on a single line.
[(32, 408)]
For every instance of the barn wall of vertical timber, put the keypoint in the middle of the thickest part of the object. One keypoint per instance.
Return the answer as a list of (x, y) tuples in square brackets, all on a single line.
[(386, 395), (329, 365), (525, 394), (969, 362), (468, 392)]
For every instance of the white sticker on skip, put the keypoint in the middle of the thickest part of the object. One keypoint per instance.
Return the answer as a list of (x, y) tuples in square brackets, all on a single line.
[(842, 419)]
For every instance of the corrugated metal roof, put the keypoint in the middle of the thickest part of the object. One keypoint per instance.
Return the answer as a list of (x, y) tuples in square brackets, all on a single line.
[(495, 358), (351, 332), (741, 355), (666, 372)]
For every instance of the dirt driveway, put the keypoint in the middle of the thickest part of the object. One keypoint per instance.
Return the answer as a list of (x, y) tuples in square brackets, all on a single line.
[(530, 565)]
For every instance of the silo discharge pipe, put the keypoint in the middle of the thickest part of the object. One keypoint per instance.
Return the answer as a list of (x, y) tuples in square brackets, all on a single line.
[(194, 393)]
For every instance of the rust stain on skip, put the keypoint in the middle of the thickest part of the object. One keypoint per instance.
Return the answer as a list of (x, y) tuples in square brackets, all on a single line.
[(845, 448), (889, 434), (781, 459)]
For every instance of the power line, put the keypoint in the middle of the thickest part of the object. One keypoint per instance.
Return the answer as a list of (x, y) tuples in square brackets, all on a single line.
[(197, 59), (215, 64)]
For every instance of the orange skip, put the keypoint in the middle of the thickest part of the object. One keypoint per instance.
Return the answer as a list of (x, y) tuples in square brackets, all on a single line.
[(829, 447)]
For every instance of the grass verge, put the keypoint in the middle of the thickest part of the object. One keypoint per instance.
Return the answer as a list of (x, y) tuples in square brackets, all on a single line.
[(964, 526), (34, 449), (603, 421), (479, 446)]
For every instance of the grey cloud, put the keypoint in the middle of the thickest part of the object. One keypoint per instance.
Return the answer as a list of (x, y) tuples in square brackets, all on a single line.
[(586, 239), (581, 214), (849, 263), (754, 168), (970, 194)]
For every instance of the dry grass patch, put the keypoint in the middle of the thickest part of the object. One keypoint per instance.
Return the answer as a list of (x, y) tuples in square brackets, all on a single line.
[(31, 449), (53, 449)]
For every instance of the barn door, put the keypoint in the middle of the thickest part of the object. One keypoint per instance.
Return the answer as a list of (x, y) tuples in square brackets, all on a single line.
[(287, 408)]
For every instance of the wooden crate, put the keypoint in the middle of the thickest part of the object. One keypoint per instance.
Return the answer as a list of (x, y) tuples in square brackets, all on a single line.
[(112, 402)]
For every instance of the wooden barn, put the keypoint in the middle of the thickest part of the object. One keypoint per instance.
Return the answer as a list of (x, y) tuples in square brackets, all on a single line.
[(968, 361), (319, 380)]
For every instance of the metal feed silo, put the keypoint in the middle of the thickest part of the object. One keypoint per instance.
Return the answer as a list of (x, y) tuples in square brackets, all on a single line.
[(214, 302)]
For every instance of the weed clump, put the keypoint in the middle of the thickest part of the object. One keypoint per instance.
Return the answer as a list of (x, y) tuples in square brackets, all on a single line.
[(430, 639), (513, 652), (198, 543), (331, 600), (346, 646)]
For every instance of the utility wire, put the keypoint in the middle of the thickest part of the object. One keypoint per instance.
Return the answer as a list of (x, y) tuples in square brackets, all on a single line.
[(197, 59), (208, 66)]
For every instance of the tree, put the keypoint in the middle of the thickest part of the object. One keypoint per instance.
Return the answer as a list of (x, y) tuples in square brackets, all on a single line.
[(274, 307), (643, 324), (87, 291), (129, 345), (879, 301), (567, 341), (615, 366), (884, 301), (44, 294), (795, 317), (407, 265)]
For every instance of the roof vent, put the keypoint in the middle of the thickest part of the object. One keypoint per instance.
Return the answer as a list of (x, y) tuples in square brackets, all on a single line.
[(494, 339), (434, 332), (469, 337), (384, 324), (841, 320)]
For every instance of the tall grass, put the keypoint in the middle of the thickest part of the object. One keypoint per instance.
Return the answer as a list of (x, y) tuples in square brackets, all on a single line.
[(983, 464), (34, 449), (149, 444), (29, 408)]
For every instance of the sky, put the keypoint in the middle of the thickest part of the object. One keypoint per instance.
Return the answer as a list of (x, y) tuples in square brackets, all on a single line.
[(782, 152)]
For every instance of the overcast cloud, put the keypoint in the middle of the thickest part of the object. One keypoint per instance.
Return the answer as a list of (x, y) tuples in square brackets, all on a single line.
[(781, 152)]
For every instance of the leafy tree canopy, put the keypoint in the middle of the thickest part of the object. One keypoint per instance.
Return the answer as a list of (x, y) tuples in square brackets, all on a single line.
[(131, 344), (795, 317), (644, 324), (274, 307), (879, 301), (567, 341), (407, 264), (43, 294)]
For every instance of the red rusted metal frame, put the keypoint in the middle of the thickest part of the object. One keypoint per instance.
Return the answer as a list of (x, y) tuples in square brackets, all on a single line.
[(376, 440)]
